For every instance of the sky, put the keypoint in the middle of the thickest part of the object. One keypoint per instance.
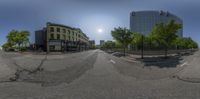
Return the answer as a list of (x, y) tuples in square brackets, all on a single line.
[(91, 15)]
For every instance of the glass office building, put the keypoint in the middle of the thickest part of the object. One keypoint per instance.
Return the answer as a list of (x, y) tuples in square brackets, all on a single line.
[(144, 21)]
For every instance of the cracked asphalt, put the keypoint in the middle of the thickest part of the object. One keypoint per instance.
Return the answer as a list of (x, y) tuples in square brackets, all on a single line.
[(90, 75)]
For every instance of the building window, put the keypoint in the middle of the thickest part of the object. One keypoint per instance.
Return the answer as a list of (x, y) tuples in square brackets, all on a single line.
[(52, 47), (52, 36), (58, 29), (51, 29), (64, 37), (58, 36), (69, 31), (64, 31)]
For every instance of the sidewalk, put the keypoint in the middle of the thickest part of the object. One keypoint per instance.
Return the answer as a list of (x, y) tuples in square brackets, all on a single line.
[(134, 58), (191, 72)]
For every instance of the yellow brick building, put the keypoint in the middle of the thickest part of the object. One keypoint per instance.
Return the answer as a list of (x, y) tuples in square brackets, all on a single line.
[(60, 37)]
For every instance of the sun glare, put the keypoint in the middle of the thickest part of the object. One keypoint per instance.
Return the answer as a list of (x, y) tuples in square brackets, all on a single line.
[(100, 30)]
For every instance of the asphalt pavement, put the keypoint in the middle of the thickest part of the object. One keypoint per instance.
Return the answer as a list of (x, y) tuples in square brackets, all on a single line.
[(96, 75), (191, 73)]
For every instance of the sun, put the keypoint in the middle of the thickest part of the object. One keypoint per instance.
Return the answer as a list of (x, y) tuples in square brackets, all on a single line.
[(100, 30)]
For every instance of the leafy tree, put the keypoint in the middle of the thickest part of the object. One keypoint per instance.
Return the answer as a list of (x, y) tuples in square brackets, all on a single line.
[(93, 47), (12, 37), (165, 34), (137, 39), (109, 45), (118, 45), (185, 43), (180, 43), (22, 38), (18, 38), (123, 36), (190, 44), (7, 45)]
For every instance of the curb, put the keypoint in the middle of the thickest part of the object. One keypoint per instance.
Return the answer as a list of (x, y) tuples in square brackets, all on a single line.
[(191, 80)]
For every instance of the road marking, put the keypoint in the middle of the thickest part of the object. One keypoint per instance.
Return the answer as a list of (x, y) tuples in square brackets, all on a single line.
[(112, 61), (183, 64)]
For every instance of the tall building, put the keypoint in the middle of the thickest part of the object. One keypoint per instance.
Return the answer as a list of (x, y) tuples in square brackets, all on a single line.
[(102, 42), (144, 21), (58, 37)]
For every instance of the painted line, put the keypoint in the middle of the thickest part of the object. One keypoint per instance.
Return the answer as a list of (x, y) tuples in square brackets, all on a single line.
[(112, 61), (183, 64)]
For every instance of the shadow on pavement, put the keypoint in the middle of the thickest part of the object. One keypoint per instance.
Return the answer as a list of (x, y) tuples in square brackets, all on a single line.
[(161, 62)]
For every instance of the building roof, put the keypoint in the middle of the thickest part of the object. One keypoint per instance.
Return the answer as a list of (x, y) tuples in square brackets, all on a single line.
[(161, 12), (55, 24), (61, 25)]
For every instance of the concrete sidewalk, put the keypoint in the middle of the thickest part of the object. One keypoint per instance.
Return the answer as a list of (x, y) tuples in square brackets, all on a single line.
[(191, 72)]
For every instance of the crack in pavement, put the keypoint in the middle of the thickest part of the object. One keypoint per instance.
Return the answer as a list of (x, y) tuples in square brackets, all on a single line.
[(21, 70), (52, 78)]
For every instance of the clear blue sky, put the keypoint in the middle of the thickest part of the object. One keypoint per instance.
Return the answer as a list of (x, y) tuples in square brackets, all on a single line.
[(91, 15)]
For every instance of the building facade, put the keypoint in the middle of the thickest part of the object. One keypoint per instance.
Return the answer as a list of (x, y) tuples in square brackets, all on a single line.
[(144, 21), (102, 42), (92, 43), (58, 37)]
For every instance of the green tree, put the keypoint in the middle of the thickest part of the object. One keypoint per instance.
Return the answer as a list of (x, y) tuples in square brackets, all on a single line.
[(123, 36), (7, 45), (180, 43), (185, 43), (18, 38), (109, 45), (118, 45), (136, 39), (190, 43), (12, 37), (165, 34)]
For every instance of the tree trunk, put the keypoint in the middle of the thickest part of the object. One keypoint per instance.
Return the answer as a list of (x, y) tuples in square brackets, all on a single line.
[(124, 50), (19, 47), (166, 52), (142, 49)]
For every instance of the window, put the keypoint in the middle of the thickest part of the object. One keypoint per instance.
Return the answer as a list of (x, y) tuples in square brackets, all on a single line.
[(64, 37), (58, 36), (58, 29), (52, 36), (51, 29), (52, 47), (64, 31), (69, 31)]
